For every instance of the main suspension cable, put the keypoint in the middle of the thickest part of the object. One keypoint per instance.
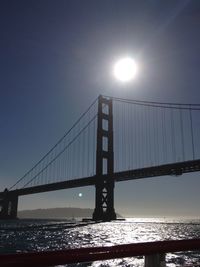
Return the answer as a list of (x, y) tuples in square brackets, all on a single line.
[(58, 142)]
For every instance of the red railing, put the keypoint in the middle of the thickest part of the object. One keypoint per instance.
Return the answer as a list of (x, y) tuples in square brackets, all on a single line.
[(53, 258)]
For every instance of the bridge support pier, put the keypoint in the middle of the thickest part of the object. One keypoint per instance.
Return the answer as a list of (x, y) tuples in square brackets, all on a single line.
[(104, 202), (8, 206)]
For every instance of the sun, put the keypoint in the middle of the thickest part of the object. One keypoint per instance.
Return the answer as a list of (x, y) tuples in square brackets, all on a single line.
[(125, 69)]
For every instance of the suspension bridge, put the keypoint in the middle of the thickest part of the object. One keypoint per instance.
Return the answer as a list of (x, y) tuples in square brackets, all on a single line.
[(113, 141)]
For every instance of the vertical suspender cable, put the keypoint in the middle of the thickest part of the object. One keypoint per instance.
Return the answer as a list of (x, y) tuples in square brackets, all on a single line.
[(123, 142), (172, 135), (129, 138), (163, 135), (192, 135), (157, 136), (94, 146), (139, 137), (150, 134), (154, 135), (142, 137), (132, 123), (88, 148), (182, 134), (146, 137), (136, 137)]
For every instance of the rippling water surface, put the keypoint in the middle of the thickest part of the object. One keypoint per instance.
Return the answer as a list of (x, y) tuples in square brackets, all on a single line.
[(41, 235)]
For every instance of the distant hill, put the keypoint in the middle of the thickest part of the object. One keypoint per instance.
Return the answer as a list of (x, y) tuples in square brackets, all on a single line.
[(55, 213)]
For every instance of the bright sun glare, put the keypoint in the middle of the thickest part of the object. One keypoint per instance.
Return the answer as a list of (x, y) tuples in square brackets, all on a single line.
[(125, 69)]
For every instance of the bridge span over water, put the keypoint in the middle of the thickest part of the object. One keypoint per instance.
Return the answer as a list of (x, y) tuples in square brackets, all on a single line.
[(113, 141)]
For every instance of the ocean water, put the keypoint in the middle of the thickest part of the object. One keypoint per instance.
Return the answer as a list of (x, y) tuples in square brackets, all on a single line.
[(42, 235)]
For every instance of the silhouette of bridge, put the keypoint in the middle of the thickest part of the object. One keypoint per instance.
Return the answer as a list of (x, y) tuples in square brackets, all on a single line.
[(114, 140)]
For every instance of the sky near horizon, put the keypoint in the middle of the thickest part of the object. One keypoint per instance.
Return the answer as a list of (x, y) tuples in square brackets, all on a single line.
[(56, 57)]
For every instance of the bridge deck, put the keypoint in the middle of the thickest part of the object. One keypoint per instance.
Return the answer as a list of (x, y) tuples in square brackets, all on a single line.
[(174, 169), (161, 170)]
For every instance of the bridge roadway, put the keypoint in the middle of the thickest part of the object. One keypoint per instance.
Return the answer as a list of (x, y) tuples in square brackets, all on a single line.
[(173, 169)]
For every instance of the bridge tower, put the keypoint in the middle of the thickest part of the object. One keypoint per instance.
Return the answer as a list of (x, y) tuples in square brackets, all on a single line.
[(8, 205), (104, 202)]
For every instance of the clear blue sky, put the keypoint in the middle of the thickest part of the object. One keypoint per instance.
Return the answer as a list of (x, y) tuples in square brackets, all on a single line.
[(56, 57)]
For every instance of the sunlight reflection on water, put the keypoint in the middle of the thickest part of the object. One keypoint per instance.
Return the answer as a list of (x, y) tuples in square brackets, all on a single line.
[(41, 235)]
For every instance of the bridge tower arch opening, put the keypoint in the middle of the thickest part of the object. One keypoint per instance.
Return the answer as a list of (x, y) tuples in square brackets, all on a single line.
[(104, 184)]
